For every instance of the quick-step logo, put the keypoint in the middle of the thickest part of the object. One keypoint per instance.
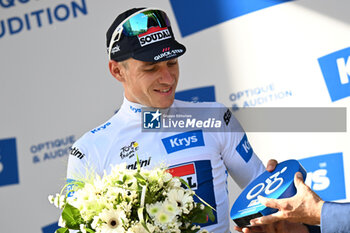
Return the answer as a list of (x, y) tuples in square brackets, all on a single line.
[(183, 141), (336, 72)]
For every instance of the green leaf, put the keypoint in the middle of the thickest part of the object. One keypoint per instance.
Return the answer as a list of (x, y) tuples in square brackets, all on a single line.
[(210, 213), (72, 217), (138, 163), (89, 230), (204, 202), (145, 226), (140, 178), (62, 230), (184, 183), (201, 216)]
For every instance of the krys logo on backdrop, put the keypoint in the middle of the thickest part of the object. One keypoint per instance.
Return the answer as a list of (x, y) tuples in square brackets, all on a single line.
[(192, 16), (50, 228), (325, 175), (336, 73), (8, 162), (37, 18)]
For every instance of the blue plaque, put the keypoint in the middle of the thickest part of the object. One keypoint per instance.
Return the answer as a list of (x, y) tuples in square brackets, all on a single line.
[(277, 184)]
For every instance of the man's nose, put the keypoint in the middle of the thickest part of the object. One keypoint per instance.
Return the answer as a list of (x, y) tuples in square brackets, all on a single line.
[(166, 77)]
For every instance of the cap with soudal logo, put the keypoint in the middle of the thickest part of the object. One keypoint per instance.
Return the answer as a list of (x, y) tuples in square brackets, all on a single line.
[(277, 184), (144, 34)]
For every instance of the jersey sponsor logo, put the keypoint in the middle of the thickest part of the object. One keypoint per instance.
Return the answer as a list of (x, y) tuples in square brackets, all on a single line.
[(227, 116), (198, 174), (183, 141), (155, 36), (129, 150), (8, 162), (187, 172), (325, 175), (134, 109), (77, 153), (143, 163), (336, 72), (244, 149), (101, 127)]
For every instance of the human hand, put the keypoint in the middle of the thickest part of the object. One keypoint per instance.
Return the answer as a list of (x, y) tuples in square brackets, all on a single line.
[(276, 227), (271, 165), (305, 206)]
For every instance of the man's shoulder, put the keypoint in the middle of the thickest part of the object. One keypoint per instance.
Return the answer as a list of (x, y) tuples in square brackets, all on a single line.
[(104, 130)]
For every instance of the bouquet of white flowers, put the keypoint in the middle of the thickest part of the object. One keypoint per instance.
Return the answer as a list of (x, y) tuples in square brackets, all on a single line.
[(138, 201)]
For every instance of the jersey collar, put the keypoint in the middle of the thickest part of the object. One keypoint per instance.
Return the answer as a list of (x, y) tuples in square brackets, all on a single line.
[(135, 110)]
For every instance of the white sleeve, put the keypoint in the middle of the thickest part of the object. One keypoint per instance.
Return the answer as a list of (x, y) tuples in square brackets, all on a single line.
[(80, 165), (77, 162), (239, 158)]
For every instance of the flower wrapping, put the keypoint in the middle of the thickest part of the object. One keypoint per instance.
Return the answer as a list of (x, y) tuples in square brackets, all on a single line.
[(130, 201)]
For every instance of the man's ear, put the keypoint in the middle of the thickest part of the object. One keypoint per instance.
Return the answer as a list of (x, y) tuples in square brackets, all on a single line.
[(117, 70)]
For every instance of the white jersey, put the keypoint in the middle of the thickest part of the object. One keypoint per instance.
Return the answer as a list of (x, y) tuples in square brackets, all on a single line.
[(202, 158)]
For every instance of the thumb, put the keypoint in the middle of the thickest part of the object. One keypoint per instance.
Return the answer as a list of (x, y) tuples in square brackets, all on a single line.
[(298, 180), (268, 202)]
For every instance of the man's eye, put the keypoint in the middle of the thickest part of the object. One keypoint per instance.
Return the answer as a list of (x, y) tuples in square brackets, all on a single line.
[(149, 69), (172, 63)]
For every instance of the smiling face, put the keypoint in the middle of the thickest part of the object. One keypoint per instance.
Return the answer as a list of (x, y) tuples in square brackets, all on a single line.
[(147, 83)]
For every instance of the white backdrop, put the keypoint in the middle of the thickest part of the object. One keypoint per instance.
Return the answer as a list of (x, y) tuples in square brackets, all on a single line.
[(55, 85)]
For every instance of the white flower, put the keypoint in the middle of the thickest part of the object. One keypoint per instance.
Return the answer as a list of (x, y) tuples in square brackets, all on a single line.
[(171, 207), (51, 199), (167, 177), (163, 217), (58, 200), (112, 203), (194, 227), (153, 209), (82, 228), (112, 221), (61, 222), (183, 199), (138, 228), (175, 183), (95, 221)]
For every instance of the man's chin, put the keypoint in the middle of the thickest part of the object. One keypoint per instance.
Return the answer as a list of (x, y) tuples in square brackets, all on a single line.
[(165, 104)]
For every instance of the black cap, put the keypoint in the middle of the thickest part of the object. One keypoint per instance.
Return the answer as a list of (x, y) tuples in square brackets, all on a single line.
[(152, 46)]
